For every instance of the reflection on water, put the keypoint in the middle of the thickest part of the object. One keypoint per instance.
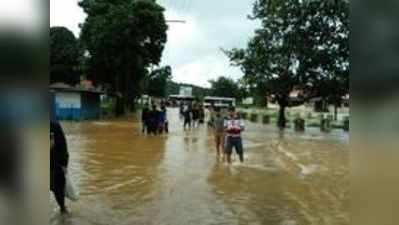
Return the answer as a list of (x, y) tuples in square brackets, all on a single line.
[(128, 178)]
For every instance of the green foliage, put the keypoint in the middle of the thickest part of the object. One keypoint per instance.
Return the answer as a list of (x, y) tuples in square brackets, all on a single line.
[(299, 124), (266, 119), (225, 87), (329, 32), (244, 115), (64, 55), (300, 45), (254, 117), (157, 81), (107, 107), (172, 88), (346, 124), (123, 38)]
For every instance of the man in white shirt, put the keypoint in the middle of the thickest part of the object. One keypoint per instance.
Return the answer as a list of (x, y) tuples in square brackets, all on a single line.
[(233, 127)]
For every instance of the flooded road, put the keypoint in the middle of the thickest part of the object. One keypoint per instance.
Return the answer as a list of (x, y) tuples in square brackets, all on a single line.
[(126, 178)]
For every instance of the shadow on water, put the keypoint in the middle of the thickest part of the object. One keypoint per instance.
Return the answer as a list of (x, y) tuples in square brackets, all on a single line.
[(128, 178)]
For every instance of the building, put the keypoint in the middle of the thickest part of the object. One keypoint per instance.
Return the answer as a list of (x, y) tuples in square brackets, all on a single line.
[(248, 101), (222, 102), (75, 103), (186, 91)]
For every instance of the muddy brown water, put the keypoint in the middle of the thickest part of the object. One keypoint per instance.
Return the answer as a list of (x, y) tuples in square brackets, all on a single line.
[(126, 178)]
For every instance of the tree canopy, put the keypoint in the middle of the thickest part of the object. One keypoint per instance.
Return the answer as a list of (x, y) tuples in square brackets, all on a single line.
[(301, 44), (123, 38), (64, 54), (156, 82), (225, 87)]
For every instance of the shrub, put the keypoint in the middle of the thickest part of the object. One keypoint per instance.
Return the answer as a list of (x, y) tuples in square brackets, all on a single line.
[(266, 119), (325, 124), (346, 124), (244, 115), (254, 117), (299, 124)]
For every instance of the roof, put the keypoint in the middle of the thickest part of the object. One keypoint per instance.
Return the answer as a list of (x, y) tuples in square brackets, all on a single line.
[(218, 98), (57, 87), (180, 96)]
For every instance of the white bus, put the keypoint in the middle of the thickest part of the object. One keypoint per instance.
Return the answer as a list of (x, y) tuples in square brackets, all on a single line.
[(219, 101)]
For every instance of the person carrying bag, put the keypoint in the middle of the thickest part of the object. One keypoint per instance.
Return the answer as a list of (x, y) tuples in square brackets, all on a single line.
[(60, 183)]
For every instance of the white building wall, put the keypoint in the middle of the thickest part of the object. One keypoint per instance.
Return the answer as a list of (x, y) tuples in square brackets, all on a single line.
[(68, 100), (186, 91)]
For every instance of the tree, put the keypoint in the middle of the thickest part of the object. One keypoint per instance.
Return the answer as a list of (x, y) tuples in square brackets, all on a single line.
[(243, 88), (64, 55), (157, 81), (329, 34), (225, 87), (299, 42), (253, 90), (123, 38)]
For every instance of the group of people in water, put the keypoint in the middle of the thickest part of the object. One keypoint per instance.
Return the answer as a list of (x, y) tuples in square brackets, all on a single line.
[(227, 129), (226, 125), (192, 114), (154, 120), (224, 122)]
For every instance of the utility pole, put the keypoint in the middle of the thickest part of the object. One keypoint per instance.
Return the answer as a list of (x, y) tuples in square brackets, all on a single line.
[(175, 21)]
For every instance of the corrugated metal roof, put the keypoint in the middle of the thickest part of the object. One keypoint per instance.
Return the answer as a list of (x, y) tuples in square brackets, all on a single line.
[(75, 89)]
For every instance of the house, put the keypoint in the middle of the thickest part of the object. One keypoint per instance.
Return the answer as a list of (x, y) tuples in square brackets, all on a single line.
[(248, 101), (75, 103)]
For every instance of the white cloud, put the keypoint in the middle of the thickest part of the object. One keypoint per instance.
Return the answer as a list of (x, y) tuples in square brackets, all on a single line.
[(200, 71), (66, 13), (193, 48)]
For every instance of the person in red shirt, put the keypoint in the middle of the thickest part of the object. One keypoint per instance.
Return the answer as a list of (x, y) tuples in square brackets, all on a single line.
[(233, 127)]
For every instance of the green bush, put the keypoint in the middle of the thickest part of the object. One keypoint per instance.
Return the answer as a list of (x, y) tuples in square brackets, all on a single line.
[(244, 115), (299, 124), (313, 124), (266, 119), (107, 108), (346, 124), (254, 117), (337, 126), (274, 114), (325, 124)]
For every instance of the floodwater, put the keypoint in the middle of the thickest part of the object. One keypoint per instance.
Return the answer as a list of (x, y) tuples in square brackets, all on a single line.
[(126, 178)]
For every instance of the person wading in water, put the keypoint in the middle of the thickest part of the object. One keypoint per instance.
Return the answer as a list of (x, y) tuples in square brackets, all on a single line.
[(58, 163), (187, 117), (144, 119), (233, 126), (218, 127)]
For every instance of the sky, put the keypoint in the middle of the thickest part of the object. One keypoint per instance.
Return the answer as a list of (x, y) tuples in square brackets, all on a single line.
[(193, 48)]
